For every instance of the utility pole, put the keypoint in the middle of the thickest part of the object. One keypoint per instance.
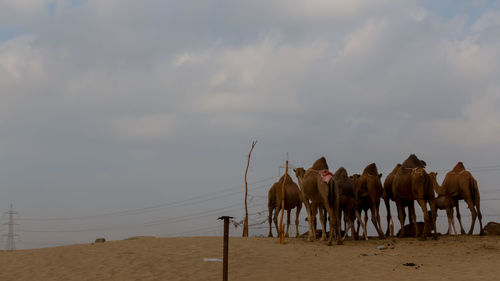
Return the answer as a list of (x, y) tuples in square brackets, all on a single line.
[(10, 246)]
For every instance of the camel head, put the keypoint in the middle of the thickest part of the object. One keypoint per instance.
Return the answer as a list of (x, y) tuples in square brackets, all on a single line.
[(435, 185), (354, 178), (299, 173)]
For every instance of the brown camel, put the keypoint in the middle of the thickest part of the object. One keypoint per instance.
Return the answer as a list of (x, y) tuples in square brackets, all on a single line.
[(292, 200), (459, 184), (347, 203), (316, 185), (387, 196), (367, 192), (409, 229), (444, 202), (361, 207), (411, 182), (492, 228)]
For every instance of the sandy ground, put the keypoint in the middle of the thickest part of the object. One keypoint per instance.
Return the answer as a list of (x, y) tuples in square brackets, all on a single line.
[(148, 258)]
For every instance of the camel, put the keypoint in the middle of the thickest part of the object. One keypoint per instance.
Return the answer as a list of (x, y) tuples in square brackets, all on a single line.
[(347, 204), (409, 229), (411, 182), (316, 185), (492, 228), (360, 206), (444, 202), (387, 196), (292, 200), (367, 192), (459, 184)]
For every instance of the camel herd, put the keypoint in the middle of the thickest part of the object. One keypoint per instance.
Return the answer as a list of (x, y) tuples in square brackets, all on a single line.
[(340, 195)]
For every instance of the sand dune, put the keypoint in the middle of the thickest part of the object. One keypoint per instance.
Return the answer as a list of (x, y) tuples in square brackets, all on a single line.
[(148, 258)]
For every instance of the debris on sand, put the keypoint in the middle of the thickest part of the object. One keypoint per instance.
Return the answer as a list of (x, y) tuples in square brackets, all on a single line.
[(212, 260)]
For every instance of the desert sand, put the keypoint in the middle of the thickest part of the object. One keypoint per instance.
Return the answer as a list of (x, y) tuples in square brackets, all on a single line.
[(256, 258)]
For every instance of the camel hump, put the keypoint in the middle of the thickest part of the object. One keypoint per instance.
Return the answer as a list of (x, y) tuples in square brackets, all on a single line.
[(459, 168), (320, 164), (412, 162), (287, 180), (341, 172), (371, 170)]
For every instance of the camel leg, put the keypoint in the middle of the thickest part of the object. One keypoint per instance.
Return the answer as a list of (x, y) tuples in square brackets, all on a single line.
[(346, 226), (379, 227), (449, 214), (480, 217), (358, 216), (310, 222), (423, 205), (345, 221), (388, 208), (373, 211), (315, 219), (401, 217), (323, 225), (432, 203), (334, 225), (351, 225), (297, 214), (275, 218), (325, 217), (473, 213), (412, 217), (287, 222), (451, 219), (270, 208), (459, 217), (366, 224)]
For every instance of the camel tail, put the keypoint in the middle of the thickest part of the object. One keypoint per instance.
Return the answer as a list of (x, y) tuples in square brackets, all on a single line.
[(474, 191), (476, 198), (271, 199), (331, 192)]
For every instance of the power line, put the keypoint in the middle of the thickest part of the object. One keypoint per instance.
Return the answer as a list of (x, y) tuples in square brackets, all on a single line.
[(188, 217), (197, 199)]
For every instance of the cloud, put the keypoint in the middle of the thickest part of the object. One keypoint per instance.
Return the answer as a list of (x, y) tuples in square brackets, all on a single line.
[(479, 124), (152, 127), (320, 10), (260, 77), (19, 60)]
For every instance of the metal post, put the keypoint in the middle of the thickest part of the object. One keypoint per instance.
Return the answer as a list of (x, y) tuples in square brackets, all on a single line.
[(226, 246)]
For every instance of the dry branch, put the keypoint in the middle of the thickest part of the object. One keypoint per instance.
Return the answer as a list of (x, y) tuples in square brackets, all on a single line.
[(245, 224)]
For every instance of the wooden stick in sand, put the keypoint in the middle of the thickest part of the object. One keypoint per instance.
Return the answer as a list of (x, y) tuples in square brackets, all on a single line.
[(245, 224)]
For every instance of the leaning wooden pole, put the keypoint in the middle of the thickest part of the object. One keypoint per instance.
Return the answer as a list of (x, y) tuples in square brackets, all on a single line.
[(245, 224), (282, 227)]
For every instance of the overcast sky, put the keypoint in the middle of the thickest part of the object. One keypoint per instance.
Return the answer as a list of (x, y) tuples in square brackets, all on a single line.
[(110, 107)]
